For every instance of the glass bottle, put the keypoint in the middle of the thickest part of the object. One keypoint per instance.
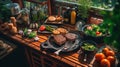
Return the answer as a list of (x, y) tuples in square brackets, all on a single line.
[(73, 16), (67, 15)]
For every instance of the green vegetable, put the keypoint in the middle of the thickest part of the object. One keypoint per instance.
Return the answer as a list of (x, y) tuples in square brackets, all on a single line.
[(88, 47), (25, 32), (95, 28), (32, 34), (49, 28)]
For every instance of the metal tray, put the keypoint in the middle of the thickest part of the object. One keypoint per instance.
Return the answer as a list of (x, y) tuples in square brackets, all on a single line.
[(47, 32), (54, 22)]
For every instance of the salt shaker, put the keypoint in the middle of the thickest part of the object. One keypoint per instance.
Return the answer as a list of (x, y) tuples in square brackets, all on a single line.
[(79, 25)]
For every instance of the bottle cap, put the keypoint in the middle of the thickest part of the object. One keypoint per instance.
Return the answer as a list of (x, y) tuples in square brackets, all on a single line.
[(67, 7), (73, 8)]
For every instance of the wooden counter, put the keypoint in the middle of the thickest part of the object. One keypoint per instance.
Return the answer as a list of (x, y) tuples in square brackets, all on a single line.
[(38, 58)]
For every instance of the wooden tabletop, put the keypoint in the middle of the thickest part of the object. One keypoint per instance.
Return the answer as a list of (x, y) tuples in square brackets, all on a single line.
[(73, 58)]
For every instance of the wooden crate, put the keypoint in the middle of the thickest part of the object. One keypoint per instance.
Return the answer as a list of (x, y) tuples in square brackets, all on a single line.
[(38, 59)]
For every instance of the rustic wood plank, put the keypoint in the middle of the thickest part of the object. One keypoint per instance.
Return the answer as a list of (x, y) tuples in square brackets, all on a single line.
[(71, 59), (68, 62), (43, 37)]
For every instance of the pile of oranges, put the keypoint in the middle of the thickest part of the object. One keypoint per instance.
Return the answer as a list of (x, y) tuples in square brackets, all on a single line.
[(106, 58)]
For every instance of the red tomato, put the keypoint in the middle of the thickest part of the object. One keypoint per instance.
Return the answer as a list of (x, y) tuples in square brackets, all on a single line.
[(110, 53), (98, 33), (105, 63), (99, 56), (105, 50), (111, 59), (42, 28)]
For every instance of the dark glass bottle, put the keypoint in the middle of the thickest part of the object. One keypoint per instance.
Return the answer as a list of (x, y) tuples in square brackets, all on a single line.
[(67, 15)]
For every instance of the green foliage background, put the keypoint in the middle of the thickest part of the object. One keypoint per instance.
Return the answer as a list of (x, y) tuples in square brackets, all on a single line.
[(112, 19), (4, 12)]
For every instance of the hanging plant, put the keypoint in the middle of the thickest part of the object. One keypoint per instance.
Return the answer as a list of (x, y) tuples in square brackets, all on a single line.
[(41, 15), (84, 7)]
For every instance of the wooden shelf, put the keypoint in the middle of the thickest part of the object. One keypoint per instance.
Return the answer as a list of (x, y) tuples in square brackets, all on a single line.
[(68, 3)]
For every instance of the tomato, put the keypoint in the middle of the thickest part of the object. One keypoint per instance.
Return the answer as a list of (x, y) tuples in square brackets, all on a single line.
[(98, 33), (111, 59), (105, 63), (110, 53), (42, 28), (105, 50), (99, 56)]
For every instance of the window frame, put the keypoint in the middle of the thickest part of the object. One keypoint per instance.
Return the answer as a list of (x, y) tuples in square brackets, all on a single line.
[(43, 3), (48, 2)]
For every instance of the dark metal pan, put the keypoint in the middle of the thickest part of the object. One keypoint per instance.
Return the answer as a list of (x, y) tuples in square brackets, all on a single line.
[(69, 46)]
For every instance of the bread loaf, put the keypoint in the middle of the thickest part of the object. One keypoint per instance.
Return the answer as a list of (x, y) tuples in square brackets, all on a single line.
[(51, 18), (13, 20)]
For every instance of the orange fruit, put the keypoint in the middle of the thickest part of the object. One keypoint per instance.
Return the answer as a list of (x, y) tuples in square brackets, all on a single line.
[(105, 63), (105, 50), (111, 59), (99, 56), (110, 53)]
